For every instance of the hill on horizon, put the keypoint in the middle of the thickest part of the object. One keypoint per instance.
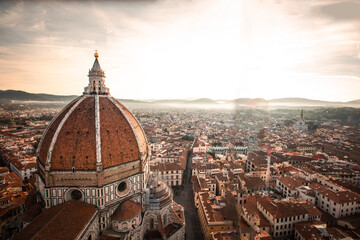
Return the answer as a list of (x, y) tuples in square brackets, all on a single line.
[(22, 96), (18, 95)]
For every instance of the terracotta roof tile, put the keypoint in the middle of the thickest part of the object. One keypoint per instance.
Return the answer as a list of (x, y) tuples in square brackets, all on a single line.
[(292, 182), (118, 142), (75, 145), (308, 230), (61, 222), (126, 210), (286, 208), (135, 123), (345, 196), (46, 141)]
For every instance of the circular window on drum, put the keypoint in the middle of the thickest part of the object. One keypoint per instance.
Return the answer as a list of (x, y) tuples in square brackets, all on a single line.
[(123, 188), (74, 194)]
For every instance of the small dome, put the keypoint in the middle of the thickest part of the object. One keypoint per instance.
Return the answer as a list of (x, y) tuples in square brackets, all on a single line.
[(127, 210)]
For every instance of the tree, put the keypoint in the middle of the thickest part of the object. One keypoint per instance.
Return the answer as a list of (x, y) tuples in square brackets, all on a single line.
[(216, 144), (187, 138)]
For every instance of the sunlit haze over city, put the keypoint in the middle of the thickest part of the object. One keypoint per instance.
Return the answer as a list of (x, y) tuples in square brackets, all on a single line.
[(184, 49)]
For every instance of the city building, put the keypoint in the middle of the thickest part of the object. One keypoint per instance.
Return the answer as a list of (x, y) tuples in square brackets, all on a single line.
[(250, 213), (170, 173), (12, 200), (282, 215), (200, 147), (251, 184), (24, 169), (212, 217), (337, 202), (288, 185)]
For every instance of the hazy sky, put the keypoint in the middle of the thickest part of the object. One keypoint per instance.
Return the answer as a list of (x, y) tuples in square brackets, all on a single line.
[(220, 49)]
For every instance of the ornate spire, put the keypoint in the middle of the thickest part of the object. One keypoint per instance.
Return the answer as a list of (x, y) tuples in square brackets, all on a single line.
[(96, 66), (96, 79)]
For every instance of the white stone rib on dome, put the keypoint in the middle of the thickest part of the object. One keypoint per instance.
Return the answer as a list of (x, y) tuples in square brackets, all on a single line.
[(132, 127), (53, 141)]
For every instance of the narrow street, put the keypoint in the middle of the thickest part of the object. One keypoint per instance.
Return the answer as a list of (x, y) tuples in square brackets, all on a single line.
[(186, 199)]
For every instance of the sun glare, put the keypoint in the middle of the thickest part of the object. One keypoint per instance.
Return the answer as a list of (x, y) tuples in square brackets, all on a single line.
[(220, 49)]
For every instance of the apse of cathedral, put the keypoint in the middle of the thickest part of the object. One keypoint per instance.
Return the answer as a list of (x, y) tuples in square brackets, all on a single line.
[(94, 179)]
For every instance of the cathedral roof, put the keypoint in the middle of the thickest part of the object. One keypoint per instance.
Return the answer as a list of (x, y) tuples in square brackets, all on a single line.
[(94, 129), (64, 221), (126, 210)]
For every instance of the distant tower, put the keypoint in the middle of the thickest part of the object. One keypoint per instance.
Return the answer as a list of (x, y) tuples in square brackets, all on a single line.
[(300, 124)]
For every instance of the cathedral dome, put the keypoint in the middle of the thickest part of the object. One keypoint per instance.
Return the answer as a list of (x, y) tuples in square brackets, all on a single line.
[(127, 210), (94, 132)]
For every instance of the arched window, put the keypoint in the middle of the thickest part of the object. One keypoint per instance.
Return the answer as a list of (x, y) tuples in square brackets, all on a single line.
[(133, 223), (124, 226)]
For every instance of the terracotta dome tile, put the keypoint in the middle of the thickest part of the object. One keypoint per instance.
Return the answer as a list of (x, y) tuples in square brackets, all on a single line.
[(75, 145), (127, 210), (121, 137), (135, 123), (118, 141), (49, 134)]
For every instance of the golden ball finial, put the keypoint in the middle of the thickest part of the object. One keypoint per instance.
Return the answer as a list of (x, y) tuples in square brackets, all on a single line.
[(96, 55)]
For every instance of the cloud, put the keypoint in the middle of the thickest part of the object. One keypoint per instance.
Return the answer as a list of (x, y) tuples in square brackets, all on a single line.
[(197, 43), (342, 10)]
